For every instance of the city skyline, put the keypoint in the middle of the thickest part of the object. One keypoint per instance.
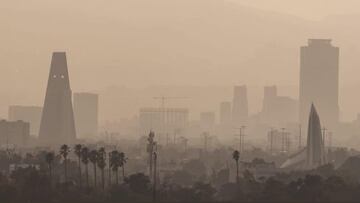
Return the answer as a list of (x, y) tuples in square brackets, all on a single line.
[(179, 101)]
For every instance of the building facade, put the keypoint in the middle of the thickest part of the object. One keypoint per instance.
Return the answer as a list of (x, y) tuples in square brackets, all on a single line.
[(86, 114), (30, 114), (319, 81), (163, 120), (15, 133), (225, 113), (240, 110)]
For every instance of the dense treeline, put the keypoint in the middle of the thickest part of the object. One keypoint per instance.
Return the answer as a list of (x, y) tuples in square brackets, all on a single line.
[(83, 178)]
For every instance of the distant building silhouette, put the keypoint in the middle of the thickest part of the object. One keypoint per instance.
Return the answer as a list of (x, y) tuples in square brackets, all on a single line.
[(278, 110), (86, 114), (163, 121), (207, 120), (30, 114), (240, 105), (319, 81), (225, 113), (57, 121), (14, 133)]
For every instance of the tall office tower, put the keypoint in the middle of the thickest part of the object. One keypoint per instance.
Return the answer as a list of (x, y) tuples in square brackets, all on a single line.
[(225, 113), (86, 114), (319, 81), (270, 95), (29, 114), (240, 105), (57, 121)]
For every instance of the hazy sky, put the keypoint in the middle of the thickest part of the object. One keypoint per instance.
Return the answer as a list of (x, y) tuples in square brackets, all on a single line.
[(310, 9), (139, 43)]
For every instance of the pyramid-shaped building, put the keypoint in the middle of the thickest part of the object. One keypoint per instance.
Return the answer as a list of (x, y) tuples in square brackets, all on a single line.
[(57, 122)]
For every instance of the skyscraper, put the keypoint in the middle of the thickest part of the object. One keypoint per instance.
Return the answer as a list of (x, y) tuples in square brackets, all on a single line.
[(240, 105), (86, 114), (225, 113), (319, 81), (57, 121)]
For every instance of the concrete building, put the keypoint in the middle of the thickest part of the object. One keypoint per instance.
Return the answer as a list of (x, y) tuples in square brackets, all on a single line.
[(15, 133), (319, 81), (240, 106), (279, 141), (57, 121), (163, 121), (278, 110), (86, 114), (29, 114), (225, 113)]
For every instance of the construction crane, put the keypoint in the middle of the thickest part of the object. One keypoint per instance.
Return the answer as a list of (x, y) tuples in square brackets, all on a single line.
[(163, 100)]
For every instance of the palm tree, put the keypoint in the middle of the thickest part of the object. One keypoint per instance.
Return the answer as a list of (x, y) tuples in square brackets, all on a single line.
[(64, 152), (109, 167), (78, 148), (93, 159), (49, 158), (150, 150), (85, 159), (236, 157), (114, 164), (122, 162), (101, 162)]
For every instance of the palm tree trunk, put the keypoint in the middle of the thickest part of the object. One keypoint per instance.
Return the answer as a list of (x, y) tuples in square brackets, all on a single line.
[(87, 175), (109, 171), (50, 174), (150, 165), (80, 172), (103, 178), (117, 177), (123, 173), (237, 171), (94, 174), (65, 170), (109, 176)]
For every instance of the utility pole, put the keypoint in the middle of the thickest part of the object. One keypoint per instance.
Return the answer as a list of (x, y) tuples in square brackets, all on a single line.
[(288, 142), (323, 136), (241, 138), (283, 140), (330, 140), (300, 137), (167, 139), (271, 140), (206, 140)]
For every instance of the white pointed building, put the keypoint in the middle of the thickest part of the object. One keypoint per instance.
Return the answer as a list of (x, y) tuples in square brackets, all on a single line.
[(313, 155)]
